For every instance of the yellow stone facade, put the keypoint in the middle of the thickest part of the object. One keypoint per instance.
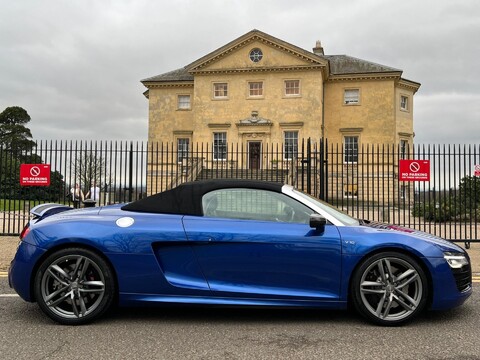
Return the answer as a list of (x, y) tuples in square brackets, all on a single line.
[(377, 117), (285, 89)]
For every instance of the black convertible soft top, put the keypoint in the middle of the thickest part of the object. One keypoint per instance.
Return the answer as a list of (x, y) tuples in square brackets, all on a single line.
[(186, 199)]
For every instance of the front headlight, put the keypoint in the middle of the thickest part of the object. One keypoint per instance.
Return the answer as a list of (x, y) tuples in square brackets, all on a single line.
[(455, 260)]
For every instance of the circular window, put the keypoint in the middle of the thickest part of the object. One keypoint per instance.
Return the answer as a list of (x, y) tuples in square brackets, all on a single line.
[(256, 55)]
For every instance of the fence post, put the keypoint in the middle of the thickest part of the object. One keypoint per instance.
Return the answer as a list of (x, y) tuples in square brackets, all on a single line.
[(130, 174), (321, 169), (309, 167)]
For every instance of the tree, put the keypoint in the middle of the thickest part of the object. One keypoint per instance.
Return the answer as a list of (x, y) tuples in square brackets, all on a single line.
[(89, 167), (469, 193), (14, 135)]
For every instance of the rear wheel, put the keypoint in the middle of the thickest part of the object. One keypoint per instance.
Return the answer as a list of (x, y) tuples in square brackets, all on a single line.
[(74, 286), (389, 288)]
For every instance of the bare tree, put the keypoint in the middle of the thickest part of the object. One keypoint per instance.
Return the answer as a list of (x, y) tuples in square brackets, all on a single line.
[(89, 167)]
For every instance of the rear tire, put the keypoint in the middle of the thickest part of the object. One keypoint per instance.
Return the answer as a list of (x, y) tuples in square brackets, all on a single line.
[(389, 289), (74, 286)]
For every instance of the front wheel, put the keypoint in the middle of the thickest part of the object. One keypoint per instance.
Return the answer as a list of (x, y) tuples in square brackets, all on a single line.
[(389, 288), (74, 286)]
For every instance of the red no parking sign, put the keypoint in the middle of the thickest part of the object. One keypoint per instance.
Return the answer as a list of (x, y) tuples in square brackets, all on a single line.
[(414, 170), (35, 174)]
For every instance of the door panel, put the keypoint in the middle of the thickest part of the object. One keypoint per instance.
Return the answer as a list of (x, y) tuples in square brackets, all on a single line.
[(254, 152), (266, 258)]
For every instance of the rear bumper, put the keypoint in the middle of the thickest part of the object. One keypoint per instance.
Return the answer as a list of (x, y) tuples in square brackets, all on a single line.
[(21, 270)]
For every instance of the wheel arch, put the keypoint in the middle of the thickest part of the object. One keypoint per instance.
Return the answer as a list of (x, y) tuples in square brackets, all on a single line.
[(66, 245)]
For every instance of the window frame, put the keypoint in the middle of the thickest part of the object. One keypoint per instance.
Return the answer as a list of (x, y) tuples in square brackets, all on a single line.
[(183, 153), (347, 148), (219, 146), (351, 102), (225, 90), (255, 55), (179, 102), (404, 106), (285, 88), (255, 96), (290, 148)]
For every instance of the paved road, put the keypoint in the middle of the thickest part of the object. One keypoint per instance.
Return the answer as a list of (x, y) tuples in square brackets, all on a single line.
[(199, 333)]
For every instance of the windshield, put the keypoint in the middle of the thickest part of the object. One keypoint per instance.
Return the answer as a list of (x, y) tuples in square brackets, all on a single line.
[(341, 216)]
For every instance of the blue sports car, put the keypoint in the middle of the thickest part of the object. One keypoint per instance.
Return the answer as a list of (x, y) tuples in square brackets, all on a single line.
[(232, 242)]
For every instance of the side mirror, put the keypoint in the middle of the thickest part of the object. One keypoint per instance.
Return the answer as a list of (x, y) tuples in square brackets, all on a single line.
[(318, 222)]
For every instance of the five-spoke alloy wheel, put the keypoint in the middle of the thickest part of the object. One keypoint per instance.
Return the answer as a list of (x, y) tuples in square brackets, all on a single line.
[(74, 286), (389, 288)]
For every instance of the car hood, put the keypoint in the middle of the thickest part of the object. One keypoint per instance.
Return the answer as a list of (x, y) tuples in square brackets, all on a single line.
[(413, 232)]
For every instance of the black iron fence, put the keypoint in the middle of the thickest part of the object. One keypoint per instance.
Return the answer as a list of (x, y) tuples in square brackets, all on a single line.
[(367, 182)]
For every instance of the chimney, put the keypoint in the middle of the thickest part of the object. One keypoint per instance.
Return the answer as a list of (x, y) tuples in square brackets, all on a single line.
[(318, 49)]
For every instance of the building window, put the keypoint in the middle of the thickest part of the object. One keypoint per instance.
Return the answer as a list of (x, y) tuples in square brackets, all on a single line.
[(182, 149), (351, 96), (183, 102), (404, 103), (350, 149), (292, 87), (220, 146), (255, 89), (291, 144), (404, 149), (220, 90), (256, 55)]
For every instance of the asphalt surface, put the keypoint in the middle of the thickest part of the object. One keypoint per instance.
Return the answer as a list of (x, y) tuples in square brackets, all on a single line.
[(232, 333)]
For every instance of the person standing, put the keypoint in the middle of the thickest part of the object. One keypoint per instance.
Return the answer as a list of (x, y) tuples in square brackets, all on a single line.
[(94, 193), (77, 196)]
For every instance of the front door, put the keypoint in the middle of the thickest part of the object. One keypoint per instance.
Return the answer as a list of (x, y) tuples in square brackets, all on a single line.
[(254, 152), (262, 258)]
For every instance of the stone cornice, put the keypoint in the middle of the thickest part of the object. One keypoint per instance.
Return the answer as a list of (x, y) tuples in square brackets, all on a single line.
[(291, 124), (357, 77), (351, 130), (258, 70), (170, 84), (219, 126), (183, 132), (269, 124), (409, 85)]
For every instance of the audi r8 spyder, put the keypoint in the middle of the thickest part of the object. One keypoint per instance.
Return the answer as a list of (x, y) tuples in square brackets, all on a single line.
[(232, 243)]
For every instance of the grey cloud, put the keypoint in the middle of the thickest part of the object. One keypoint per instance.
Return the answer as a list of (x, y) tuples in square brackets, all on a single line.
[(75, 66)]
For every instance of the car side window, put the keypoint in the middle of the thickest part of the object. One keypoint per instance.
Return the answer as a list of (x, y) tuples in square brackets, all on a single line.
[(254, 204)]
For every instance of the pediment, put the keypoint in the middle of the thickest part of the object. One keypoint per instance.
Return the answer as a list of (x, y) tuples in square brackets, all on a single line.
[(276, 54)]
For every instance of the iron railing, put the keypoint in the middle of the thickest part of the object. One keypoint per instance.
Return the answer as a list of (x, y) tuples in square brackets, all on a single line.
[(364, 183)]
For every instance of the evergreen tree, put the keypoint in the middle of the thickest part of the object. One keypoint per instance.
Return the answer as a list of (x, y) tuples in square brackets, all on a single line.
[(14, 134)]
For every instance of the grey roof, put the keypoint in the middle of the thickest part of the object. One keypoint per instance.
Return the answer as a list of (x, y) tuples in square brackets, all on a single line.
[(339, 65), (175, 75), (344, 65)]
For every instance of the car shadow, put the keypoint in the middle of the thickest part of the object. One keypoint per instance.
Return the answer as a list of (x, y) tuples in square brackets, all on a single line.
[(239, 315)]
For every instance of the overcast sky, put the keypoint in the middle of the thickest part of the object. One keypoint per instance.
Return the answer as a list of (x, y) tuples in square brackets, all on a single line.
[(76, 65)]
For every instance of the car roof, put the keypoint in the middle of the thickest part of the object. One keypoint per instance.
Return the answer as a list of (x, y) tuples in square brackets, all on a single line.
[(186, 198)]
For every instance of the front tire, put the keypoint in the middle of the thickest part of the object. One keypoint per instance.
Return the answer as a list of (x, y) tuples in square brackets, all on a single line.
[(74, 286), (389, 289)]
